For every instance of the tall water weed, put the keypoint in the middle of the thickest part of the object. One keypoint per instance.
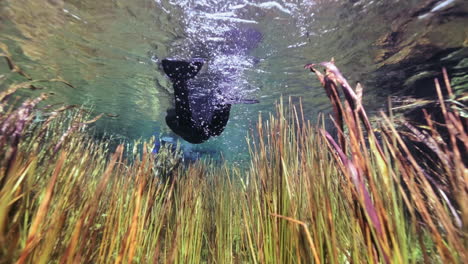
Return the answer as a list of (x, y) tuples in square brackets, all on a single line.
[(307, 198)]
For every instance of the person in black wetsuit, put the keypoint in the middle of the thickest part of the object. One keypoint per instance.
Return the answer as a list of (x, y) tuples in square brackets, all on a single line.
[(184, 120)]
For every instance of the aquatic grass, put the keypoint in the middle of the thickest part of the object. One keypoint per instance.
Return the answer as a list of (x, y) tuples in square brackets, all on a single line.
[(361, 196), (421, 198)]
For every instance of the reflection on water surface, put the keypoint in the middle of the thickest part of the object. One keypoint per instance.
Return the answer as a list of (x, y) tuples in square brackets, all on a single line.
[(110, 50)]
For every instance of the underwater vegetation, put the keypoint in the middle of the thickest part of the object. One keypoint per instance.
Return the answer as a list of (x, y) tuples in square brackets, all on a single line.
[(365, 195)]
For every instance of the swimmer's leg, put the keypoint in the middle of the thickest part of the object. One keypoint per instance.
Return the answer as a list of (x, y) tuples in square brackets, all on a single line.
[(179, 70), (186, 129), (219, 119)]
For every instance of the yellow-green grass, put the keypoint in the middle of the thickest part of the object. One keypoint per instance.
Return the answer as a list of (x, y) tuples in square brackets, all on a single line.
[(364, 198)]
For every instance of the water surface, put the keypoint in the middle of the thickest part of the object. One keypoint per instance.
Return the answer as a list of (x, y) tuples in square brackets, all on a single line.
[(110, 50)]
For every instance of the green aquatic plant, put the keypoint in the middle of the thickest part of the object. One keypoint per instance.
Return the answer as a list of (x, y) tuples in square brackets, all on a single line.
[(378, 168), (66, 198)]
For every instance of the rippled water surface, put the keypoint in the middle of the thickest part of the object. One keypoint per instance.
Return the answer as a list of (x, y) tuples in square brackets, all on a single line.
[(110, 50)]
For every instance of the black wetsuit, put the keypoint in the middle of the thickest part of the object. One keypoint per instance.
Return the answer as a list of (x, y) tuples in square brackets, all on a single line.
[(181, 120)]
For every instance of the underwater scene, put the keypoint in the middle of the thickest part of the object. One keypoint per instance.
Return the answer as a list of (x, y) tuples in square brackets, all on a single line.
[(244, 131)]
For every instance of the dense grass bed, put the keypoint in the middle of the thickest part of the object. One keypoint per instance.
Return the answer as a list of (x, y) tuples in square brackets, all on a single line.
[(361, 196)]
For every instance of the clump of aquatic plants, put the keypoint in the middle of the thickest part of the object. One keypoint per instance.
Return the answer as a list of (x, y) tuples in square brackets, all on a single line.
[(397, 199), (308, 197)]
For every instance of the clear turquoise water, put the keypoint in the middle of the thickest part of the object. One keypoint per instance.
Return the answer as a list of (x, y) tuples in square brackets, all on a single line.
[(110, 51)]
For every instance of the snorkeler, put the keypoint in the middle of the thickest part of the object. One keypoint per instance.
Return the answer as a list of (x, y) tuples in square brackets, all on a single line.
[(193, 119)]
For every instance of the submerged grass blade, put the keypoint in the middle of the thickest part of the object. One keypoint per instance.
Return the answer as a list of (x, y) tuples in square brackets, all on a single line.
[(307, 197)]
